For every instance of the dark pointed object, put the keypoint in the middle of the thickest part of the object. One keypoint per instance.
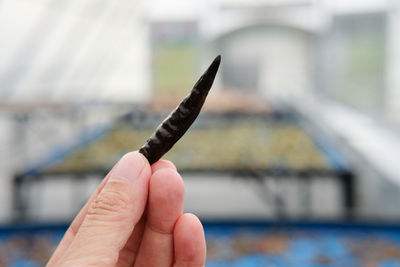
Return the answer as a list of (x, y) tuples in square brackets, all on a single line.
[(180, 119)]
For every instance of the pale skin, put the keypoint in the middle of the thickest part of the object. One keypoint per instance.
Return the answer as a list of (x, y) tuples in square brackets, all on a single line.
[(135, 218)]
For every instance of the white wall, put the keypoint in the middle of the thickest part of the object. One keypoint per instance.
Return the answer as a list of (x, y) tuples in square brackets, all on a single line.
[(286, 67), (5, 170), (393, 62), (281, 58)]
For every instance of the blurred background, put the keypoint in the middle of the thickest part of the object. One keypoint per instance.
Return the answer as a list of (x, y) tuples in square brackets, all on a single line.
[(294, 159)]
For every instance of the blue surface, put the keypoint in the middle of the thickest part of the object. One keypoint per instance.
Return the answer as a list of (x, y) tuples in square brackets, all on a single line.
[(303, 245), (243, 244)]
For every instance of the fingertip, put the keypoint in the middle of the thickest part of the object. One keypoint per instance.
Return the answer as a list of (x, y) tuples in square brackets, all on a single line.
[(166, 197), (130, 167), (162, 164), (189, 241), (132, 157), (167, 179), (146, 161)]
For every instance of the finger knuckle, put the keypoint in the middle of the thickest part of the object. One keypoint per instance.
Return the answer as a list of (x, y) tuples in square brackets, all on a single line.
[(109, 202)]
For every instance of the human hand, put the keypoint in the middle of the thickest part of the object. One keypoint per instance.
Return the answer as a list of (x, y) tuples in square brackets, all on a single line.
[(135, 218)]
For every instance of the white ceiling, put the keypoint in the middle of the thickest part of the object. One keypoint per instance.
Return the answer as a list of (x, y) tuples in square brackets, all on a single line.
[(72, 51)]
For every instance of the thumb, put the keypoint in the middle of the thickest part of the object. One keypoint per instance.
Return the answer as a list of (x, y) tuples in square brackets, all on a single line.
[(112, 216)]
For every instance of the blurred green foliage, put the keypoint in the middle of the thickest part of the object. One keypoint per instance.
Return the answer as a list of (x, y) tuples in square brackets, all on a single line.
[(361, 54), (174, 66), (219, 144)]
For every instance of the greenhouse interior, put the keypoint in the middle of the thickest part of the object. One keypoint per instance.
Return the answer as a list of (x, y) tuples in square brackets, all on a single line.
[(293, 160)]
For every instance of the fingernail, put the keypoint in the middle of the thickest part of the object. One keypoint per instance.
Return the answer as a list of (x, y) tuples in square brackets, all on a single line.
[(129, 167)]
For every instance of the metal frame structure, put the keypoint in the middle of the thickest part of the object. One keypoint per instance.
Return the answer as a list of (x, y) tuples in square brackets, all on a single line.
[(346, 180), (340, 171)]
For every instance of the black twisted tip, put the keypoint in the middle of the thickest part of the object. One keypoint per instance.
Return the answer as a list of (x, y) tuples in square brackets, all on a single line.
[(180, 119)]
